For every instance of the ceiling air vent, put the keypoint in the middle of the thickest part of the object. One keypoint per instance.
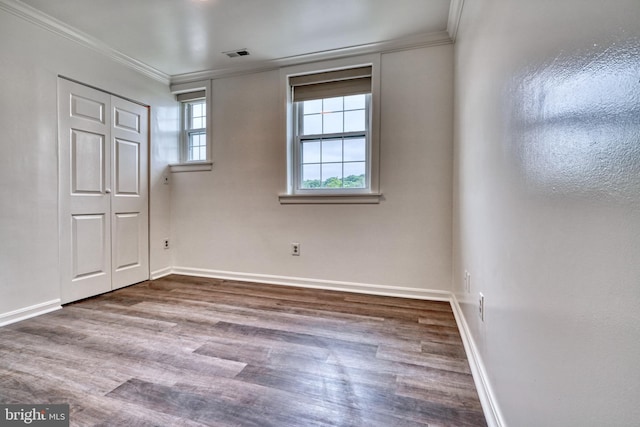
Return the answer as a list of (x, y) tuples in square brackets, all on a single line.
[(236, 53)]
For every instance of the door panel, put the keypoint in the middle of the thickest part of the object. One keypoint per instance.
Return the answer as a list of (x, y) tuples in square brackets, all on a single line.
[(89, 109), (104, 234), (127, 120), (87, 162), (85, 202), (90, 255), (127, 228), (129, 202), (127, 167)]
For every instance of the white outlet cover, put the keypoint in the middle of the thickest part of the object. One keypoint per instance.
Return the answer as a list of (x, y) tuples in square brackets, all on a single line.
[(295, 249)]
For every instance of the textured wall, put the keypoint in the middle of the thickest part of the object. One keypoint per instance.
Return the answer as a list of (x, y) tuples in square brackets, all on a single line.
[(547, 205)]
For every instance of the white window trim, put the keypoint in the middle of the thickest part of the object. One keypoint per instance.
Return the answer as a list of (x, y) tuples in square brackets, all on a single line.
[(292, 195), (200, 165)]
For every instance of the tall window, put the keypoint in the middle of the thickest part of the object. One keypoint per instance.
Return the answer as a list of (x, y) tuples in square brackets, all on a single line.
[(331, 129), (332, 138), (194, 134)]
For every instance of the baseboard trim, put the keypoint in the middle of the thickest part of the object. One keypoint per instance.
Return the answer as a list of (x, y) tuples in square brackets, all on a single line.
[(361, 288), (28, 312), (160, 273), (485, 392)]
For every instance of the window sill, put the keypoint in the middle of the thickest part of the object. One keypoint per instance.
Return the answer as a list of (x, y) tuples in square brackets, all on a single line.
[(191, 167), (329, 199)]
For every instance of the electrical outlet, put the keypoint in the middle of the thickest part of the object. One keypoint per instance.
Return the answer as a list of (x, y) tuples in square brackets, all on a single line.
[(165, 243), (165, 179), (481, 306), (295, 249)]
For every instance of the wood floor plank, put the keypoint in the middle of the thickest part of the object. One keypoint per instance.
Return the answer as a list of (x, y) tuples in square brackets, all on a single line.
[(207, 352)]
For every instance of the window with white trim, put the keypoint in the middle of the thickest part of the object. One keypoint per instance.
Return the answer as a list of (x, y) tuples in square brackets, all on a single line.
[(331, 131), (194, 127), (331, 138)]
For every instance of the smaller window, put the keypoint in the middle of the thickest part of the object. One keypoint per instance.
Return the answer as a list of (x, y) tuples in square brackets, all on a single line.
[(193, 140), (195, 130)]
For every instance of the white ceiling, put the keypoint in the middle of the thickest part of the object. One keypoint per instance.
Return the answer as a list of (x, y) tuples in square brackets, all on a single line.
[(177, 37)]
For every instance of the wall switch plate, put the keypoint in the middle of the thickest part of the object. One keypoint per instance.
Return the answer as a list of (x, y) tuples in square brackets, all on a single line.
[(481, 306), (295, 249), (165, 179)]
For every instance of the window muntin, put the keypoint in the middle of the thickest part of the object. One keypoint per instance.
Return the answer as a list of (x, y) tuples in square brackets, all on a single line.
[(195, 130), (332, 137)]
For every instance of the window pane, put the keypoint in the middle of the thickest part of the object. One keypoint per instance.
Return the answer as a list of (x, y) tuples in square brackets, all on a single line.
[(354, 175), (197, 115), (311, 152), (331, 150), (311, 176), (332, 122), (334, 162), (354, 121), (197, 123), (354, 102), (197, 146), (196, 110), (332, 104), (355, 149), (312, 124), (312, 107), (196, 139), (332, 175)]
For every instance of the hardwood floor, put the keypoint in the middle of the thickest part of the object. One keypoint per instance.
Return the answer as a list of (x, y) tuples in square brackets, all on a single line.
[(184, 351)]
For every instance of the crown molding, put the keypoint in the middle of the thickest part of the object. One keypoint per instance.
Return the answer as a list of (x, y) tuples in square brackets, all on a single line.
[(49, 23), (413, 42), (455, 13), (59, 28)]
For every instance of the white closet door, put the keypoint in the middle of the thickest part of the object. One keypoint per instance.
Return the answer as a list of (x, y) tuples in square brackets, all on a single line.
[(103, 191), (129, 202)]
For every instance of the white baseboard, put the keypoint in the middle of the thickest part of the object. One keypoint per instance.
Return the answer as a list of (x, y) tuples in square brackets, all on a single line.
[(160, 273), (27, 312), (487, 398), (362, 288)]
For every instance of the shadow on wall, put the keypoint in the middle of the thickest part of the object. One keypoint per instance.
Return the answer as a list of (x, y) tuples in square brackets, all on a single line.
[(576, 121)]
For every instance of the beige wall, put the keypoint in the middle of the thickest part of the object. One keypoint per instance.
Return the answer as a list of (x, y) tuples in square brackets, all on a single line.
[(547, 205), (31, 58), (230, 220)]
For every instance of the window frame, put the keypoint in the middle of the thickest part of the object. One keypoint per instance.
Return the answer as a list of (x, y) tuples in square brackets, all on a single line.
[(188, 131), (297, 151), (294, 194), (184, 93)]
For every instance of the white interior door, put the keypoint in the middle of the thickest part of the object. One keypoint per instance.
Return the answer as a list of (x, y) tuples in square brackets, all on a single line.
[(103, 191), (129, 205)]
